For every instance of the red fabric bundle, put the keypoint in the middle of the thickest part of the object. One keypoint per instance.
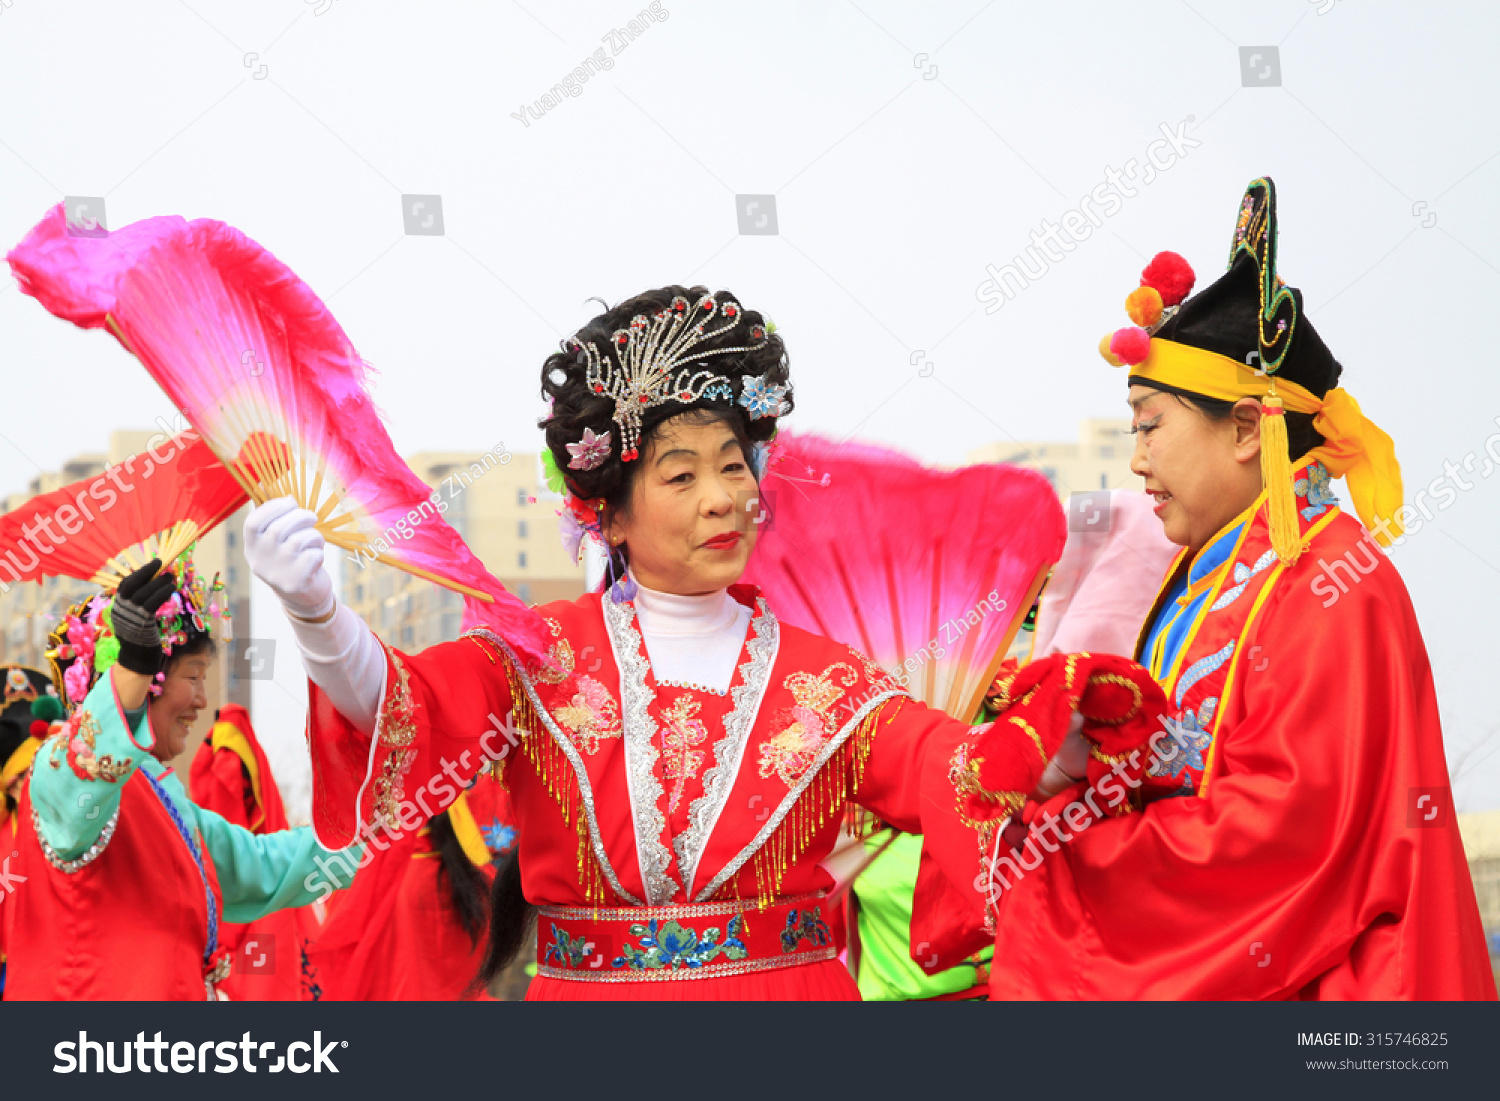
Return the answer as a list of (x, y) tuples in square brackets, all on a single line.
[(1122, 708)]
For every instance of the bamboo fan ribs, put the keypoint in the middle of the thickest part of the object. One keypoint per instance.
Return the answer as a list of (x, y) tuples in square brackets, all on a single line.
[(929, 572), (102, 528), (268, 378), (266, 375)]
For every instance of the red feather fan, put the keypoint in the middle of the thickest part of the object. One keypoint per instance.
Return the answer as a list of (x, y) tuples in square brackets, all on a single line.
[(99, 529)]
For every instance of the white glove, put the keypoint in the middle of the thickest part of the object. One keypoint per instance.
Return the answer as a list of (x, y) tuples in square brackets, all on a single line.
[(285, 550)]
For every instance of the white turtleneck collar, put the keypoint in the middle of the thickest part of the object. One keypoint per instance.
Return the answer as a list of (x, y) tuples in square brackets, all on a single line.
[(692, 639), (674, 614)]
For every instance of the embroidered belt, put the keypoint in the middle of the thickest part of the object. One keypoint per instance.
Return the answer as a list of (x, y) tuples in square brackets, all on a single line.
[(692, 941)]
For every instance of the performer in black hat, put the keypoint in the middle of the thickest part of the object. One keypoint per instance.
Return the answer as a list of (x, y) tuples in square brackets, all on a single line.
[(1306, 846)]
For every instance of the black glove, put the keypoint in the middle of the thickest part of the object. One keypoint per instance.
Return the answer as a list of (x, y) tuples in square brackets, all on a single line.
[(133, 617)]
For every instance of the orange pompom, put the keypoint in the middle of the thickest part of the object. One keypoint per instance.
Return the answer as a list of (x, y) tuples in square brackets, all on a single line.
[(1144, 306), (1109, 357), (1131, 345)]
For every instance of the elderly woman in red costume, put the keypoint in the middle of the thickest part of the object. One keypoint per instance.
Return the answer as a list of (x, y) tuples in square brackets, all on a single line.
[(673, 801), (127, 880), (1290, 855)]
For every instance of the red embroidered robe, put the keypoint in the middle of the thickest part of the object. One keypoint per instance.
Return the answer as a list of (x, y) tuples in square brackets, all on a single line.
[(629, 793), (394, 935), (1302, 860)]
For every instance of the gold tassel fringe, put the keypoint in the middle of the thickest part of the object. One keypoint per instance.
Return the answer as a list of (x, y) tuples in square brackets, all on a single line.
[(836, 784), (1276, 474), (555, 772)]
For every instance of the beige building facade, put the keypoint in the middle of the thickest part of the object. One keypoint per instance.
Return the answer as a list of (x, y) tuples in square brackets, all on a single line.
[(1099, 459), (498, 501)]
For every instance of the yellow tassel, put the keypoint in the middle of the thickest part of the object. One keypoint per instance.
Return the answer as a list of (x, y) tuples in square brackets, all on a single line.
[(1276, 473)]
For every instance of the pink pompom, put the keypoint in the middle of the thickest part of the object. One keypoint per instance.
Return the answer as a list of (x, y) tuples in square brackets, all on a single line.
[(1170, 275), (76, 681), (1130, 345)]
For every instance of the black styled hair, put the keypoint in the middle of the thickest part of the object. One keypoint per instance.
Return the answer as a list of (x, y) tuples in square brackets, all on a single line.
[(575, 406), (195, 645)]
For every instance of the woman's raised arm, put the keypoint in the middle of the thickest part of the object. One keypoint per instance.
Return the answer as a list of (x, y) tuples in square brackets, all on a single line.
[(342, 655)]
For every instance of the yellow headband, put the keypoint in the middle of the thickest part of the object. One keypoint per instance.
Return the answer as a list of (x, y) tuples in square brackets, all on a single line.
[(1356, 449)]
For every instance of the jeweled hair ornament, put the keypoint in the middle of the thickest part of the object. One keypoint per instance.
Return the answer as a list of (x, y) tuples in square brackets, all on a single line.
[(652, 361)]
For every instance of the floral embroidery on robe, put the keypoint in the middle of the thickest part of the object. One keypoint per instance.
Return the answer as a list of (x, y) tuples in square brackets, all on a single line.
[(802, 729), (681, 732), (78, 737), (591, 714)]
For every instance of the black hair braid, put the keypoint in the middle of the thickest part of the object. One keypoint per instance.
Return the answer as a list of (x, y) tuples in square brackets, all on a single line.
[(468, 893), (511, 920)]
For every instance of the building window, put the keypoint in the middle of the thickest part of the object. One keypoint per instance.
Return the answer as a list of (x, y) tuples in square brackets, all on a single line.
[(229, 538), (1050, 473), (233, 576), (1104, 481), (406, 636), (521, 529), (1107, 452), (521, 495), (521, 559), (359, 593), (523, 591)]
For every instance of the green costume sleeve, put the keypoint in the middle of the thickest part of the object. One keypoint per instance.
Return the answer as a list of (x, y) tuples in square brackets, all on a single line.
[(79, 771), (262, 873)]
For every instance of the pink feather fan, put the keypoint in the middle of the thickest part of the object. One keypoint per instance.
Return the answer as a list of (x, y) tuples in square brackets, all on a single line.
[(268, 378), (929, 572)]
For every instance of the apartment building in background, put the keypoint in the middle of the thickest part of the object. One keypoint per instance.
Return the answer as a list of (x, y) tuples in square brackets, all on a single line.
[(1099, 459)]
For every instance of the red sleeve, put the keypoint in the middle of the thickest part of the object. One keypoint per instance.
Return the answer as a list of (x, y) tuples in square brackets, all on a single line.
[(1299, 872), (443, 714), (906, 782)]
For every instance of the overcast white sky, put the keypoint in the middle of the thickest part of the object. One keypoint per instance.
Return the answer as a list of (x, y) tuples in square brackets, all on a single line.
[(907, 147)]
